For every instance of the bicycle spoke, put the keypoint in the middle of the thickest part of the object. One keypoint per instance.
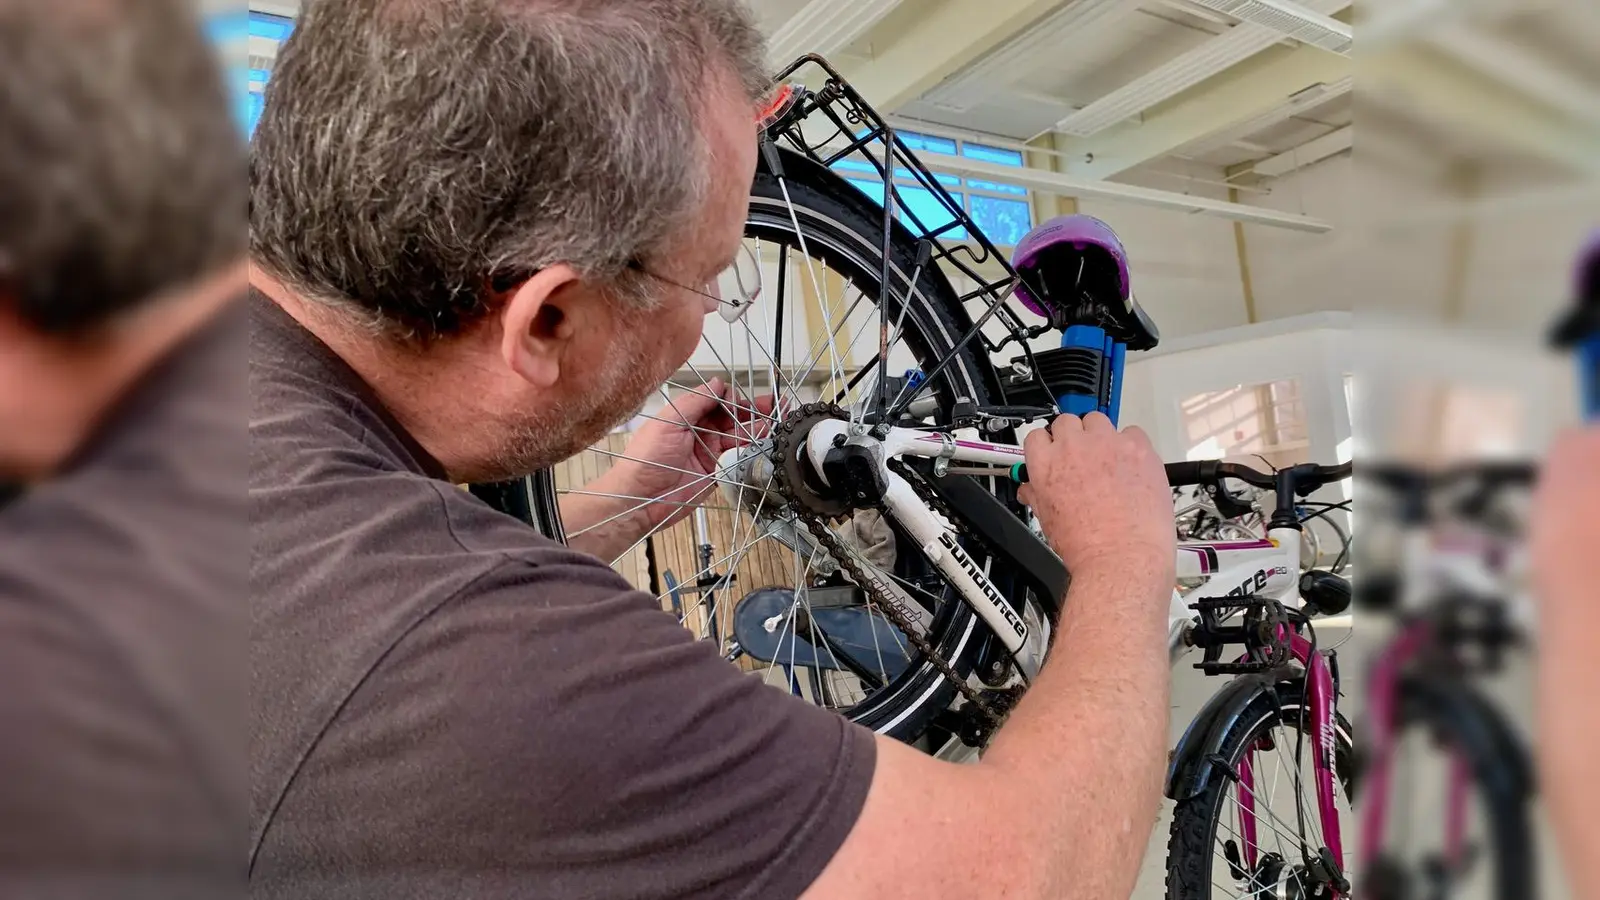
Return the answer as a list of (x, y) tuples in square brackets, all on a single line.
[(655, 530), (811, 270), (653, 464), (729, 404), (711, 455), (1289, 830), (738, 389), (584, 493), (695, 483), (711, 431), (1314, 828), (815, 352), (1270, 815)]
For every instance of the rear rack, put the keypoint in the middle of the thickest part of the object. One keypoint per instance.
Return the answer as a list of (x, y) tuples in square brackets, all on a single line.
[(859, 132)]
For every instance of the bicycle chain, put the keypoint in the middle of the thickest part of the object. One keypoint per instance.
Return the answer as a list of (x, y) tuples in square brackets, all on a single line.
[(888, 602)]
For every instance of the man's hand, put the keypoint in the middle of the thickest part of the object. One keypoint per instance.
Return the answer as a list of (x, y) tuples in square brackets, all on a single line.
[(1101, 496), (670, 459)]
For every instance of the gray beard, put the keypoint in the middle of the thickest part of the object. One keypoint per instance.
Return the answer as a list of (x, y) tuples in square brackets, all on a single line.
[(566, 429)]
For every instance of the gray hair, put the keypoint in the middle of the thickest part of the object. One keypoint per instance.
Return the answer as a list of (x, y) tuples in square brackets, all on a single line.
[(121, 162), (411, 152)]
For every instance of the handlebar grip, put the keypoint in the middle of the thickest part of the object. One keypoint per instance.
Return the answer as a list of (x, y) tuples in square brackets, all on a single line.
[(1197, 471)]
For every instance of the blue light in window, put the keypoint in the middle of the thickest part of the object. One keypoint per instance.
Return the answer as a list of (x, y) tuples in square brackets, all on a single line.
[(1005, 222), (997, 187), (927, 142), (863, 167), (259, 75), (251, 113), (274, 28), (930, 213), (992, 154), (873, 189)]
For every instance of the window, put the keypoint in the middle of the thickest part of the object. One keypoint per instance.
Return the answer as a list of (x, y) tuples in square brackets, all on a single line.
[(1265, 419), (273, 28), (986, 153), (1001, 210)]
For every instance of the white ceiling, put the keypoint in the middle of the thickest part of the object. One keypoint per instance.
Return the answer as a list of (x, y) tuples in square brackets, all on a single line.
[(1509, 88), (1538, 55)]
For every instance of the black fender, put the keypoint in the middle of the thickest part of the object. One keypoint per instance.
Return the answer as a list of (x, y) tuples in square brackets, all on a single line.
[(777, 161), (1498, 755), (1190, 768)]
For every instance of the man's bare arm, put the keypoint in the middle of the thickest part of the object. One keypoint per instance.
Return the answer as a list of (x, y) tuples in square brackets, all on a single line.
[(1565, 529)]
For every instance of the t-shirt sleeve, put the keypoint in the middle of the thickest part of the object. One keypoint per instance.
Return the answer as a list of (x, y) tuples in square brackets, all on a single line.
[(564, 729)]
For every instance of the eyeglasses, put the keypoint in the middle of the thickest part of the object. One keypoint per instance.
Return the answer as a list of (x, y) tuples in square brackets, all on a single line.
[(747, 282), (745, 274)]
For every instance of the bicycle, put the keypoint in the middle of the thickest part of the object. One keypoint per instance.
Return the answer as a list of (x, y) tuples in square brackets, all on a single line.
[(918, 599), (1458, 615), (1204, 516)]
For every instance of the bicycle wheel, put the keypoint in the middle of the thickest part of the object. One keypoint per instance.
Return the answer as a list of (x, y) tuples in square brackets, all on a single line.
[(1329, 544), (1248, 836), (813, 337), (1458, 799)]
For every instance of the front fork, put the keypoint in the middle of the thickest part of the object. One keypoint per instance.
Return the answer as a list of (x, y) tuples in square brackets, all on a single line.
[(1270, 641)]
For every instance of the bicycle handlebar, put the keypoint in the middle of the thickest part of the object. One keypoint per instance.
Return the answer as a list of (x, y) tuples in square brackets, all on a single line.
[(1302, 479)]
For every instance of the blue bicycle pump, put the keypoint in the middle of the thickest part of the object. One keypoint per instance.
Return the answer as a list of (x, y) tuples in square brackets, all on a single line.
[(1589, 376), (1091, 377)]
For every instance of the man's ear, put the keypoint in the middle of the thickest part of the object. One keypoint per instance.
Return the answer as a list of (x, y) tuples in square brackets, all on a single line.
[(536, 325)]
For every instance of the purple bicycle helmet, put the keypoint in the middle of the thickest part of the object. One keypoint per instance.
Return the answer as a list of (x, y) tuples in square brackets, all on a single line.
[(1076, 258), (1582, 321)]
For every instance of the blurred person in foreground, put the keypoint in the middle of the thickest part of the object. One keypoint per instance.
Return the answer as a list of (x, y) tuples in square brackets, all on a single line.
[(475, 228), (1566, 533), (121, 440)]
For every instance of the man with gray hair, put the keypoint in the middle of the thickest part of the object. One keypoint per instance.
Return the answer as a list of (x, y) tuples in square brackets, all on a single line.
[(474, 228), (122, 538)]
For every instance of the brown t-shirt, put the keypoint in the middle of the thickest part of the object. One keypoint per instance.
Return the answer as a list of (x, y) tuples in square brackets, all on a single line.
[(447, 704), (122, 583)]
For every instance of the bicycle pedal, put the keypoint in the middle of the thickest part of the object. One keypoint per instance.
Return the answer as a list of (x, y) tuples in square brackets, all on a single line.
[(1247, 603)]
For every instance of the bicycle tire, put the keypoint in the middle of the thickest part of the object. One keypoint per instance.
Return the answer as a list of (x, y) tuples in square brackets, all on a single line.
[(1193, 834), (1454, 716)]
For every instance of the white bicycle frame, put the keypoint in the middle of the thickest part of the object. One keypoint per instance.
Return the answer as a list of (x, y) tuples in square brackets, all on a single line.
[(1266, 568)]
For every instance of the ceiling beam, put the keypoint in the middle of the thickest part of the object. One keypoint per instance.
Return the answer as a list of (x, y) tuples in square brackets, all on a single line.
[(1069, 186), (1292, 20), (1085, 21), (1304, 103), (825, 27), (1244, 93), (1188, 69), (945, 38), (1519, 68), (1308, 154), (1421, 84)]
